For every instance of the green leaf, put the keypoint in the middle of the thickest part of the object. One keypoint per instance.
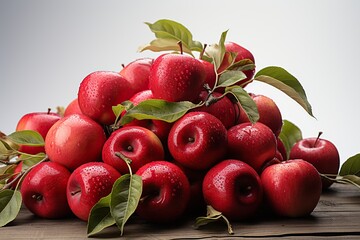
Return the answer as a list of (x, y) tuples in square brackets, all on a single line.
[(212, 215), (10, 203), (285, 82), (351, 179), (125, 197), (27, 137), (173, 32), (31, 160), (242, 65), (229, 78), (246, 102), (217, 51), (100, 216), (159, 45), (289, 135), (157, 109), (351, 166)]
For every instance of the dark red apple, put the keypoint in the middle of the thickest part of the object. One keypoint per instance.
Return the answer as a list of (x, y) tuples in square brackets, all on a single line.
[(292, 188), (43, 190), (197, 140), (255, 144), (166, 192), (176, 77), (233, 188), (137, 143), (87, 184), (321, 153)]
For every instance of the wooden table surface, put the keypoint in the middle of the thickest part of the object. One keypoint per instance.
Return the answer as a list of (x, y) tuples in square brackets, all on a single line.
[(337, 216)]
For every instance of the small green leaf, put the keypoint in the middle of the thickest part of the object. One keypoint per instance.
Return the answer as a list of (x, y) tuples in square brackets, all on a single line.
[(352, 179), (125, 197), (173, 32), (157, 109), (160, 44), (289, 135), (212, 215), (217, 51), (242, 65), (100, 216), (10, 203), (285, 82), (246, 102), (351, 166), (229, 78), (27, 137), (31, 160)]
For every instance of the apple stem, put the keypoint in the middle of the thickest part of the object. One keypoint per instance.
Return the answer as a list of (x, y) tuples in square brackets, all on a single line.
[(49, 110), (181, 47), (203, 51), (317, 139), (123, 65)]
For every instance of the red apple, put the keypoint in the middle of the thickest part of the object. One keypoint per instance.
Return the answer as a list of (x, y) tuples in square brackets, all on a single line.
[(321, 153), (37, 121), (87, 184), (99, 92), (233, 188), (75, 140), (210, 74), (166, 192), (137, 143), (197, 140), (72, 108), (241, 54), (255, 144), (269, 113), (176, 77), (160, 128), (292, 188), (223, 109), (137, 73), (44, 190)]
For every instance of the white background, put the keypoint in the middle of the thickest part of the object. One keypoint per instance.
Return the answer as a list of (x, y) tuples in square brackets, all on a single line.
[(48, 47)]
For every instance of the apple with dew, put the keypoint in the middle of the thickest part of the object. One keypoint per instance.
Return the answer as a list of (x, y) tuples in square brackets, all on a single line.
[(223, 108), (292, 188), (75, 140), (176, 77), (43, 190), (269, 113), (255, 144), (160, 128), (40, 122), (166, 192), (99, 92), (137, 143), (197, 140), (87, 185), (72, 108), (321, 153), (210, 75), (233, 188), (137, 73)]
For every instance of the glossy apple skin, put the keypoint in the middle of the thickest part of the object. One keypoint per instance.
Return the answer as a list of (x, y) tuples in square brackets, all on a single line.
[(269, 113), (197, 140), (75, 140), (137, 73), (72, 108), (137, 143), (292, 188), (166, 192), (210, 74), (222, 109), (44, 190), (254, 144), (87, 184), (242, 53), (176, 77), (233, 188), (160, 128), (36, 121), (99, 92), (323, 155)]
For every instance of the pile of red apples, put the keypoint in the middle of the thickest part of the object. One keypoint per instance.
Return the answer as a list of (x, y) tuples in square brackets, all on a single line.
[(212, 155)]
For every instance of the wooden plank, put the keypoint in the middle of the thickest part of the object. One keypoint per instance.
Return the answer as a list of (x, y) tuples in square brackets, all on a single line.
[(336, 216)]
